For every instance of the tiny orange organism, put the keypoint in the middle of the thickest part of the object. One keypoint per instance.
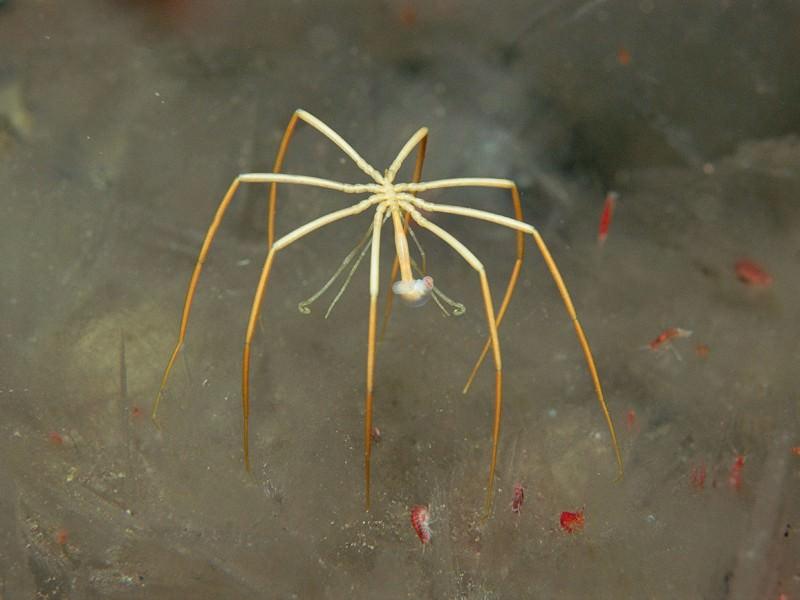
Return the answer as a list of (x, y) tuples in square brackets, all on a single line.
[(698, 477), (55, 438), (668, 335), (735, 475), (605, 217), (751, 273), (421, 522), (572, 521), (61, 537), (408, 15), (623, 56), (702, 350), (630, 420), (518, 498)]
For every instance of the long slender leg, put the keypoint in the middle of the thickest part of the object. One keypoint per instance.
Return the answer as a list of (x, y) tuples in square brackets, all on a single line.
[(374, 283), (212, 231), (559, 281), (512, 282), (187, 304), (420, 138), (282, 243), (284, 146), (490, 318)]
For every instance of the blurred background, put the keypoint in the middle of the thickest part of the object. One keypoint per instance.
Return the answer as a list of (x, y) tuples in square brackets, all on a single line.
[(122, 124)]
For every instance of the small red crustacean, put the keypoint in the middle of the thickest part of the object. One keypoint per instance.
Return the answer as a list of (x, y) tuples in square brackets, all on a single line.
[(702, 350), (518, 498), (698, 477), (735, 476), (420, 521), (630, 420), (61, 537), (751, 273), (605, 217), (668, 335), (572, 521)]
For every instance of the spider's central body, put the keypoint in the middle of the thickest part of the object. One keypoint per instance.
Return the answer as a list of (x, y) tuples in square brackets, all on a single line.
[(408, 292)]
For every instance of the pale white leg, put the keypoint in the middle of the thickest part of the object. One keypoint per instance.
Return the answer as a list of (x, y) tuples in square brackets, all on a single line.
[(439, 184), (282, 243), (340, 142), (420, 137)]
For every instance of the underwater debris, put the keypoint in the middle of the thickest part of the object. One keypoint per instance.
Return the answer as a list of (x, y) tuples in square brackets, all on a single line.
[(375, 434)]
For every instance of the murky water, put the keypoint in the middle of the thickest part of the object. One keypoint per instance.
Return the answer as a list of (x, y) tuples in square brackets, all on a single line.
[(124, 123)]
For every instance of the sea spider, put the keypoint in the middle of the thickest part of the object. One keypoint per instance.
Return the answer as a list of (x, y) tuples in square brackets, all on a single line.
[(399, 202)]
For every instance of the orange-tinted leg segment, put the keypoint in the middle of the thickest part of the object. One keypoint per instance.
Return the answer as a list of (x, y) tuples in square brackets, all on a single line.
[(187, 305), (251, 327), (373, 309), (512, 282), (587, 352)]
